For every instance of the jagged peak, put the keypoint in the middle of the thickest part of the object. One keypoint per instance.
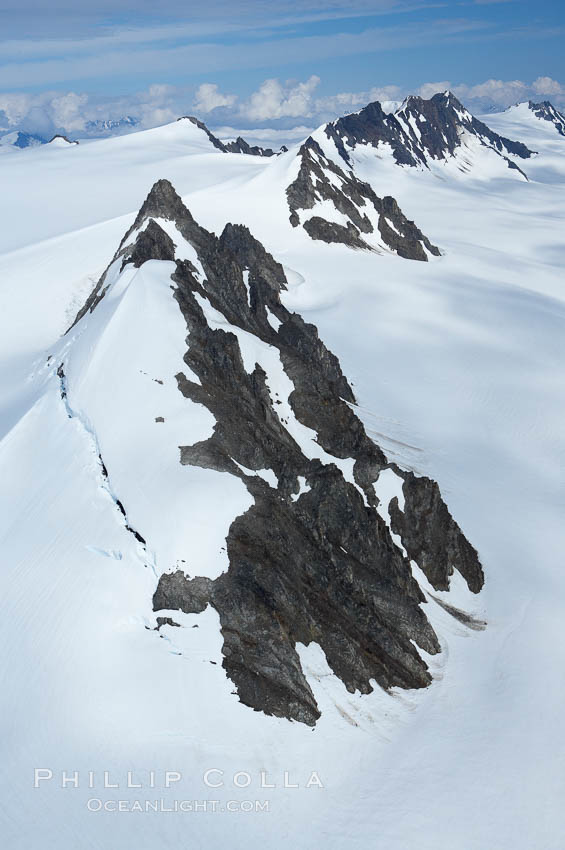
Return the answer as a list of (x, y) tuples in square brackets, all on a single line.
[(420, 131), (440, 100), (163, 201), (545, 103), (250, 253)]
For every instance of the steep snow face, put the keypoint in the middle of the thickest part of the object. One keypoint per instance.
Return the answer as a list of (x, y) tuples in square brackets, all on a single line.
[(541, 118), (120, 379), (180, 151), (457, 369)]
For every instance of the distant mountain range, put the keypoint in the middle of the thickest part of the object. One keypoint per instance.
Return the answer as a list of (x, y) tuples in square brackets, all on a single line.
[(416, 130)]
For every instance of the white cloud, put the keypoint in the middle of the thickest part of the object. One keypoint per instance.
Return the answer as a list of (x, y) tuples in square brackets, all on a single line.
[(344, 102), (68, 111), (545, 85), (496, 93), (263, 134), (15, 106), (156, 106), (429, 89), (208, 97), (273, 106), (267, 137), (500, 92), (274, 100)]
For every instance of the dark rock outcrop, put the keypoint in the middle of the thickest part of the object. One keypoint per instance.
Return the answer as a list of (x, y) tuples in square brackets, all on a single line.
[(241, 146), (375, 127), (63, 138), (311, 560), (320, 179), (440, 122), (431, 536), (237, 146), (546, 111)]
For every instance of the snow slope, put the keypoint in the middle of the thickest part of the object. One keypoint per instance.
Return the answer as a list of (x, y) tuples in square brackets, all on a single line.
[(457, 367)]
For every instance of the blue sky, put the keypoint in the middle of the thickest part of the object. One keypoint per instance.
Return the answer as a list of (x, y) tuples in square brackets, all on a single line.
[(221, 55)]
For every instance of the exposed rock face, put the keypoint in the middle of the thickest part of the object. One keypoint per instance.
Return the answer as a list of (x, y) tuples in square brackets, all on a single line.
[(312, 559), (241, 146), (420, 132), (65, 139), (373, 126), (546, 111), (430, 535), (441, 120), (363, 212)]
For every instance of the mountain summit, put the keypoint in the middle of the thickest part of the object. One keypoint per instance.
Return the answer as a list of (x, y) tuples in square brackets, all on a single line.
[(420, 132)]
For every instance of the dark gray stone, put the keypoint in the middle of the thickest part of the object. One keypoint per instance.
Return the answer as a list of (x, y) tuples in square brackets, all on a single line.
[(352, 199)]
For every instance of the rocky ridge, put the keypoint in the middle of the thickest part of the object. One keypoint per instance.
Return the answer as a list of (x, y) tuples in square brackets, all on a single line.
[(365, 220), (239, 145), (313, 559)]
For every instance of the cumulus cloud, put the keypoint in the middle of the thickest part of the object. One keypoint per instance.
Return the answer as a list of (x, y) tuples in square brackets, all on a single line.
[(344, 102), (208, 97), (267, 137), (545, 85), (497, 94), (429, 89), (274, 100), (68, 110), (44, 112), (274, 106), (75, 113)]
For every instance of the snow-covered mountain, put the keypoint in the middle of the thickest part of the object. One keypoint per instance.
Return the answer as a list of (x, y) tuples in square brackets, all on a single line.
[(110, 126), (421, 133), (545, 111), (224, 553), (334, 205), (536, 112), (20, 140)]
